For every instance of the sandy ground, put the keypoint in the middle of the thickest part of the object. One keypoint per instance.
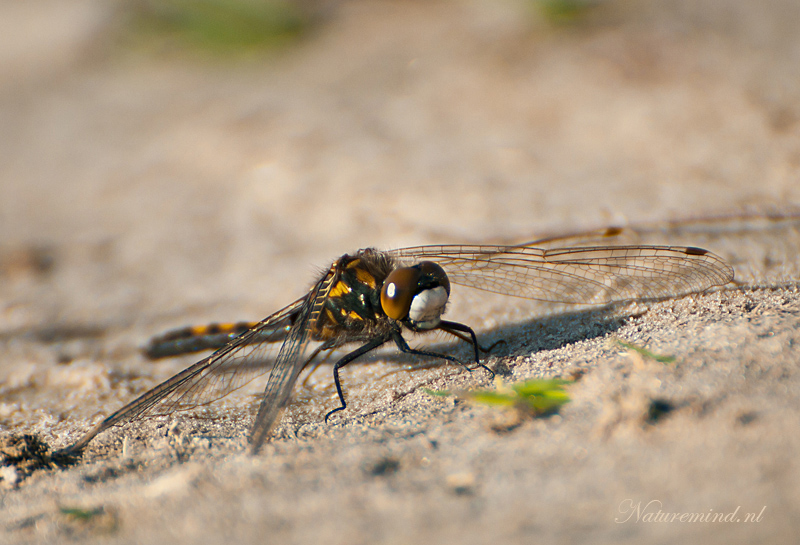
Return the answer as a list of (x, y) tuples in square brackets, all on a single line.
[(142, 190)]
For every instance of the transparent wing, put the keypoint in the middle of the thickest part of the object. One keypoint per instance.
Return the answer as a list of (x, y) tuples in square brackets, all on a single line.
[(221, 373), (289, 363), (578, 275)]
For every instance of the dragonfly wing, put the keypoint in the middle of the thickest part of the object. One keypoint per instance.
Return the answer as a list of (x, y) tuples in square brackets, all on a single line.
[(230, 368), (290, 363), (578, 275), (208, 380)]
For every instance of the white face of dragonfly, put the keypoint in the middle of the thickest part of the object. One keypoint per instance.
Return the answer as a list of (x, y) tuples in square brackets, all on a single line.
[(427, 308), (416, 295)]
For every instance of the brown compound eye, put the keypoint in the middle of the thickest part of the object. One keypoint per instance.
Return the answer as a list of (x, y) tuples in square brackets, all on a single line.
[(434, 275), (416, 295), (398, 292)]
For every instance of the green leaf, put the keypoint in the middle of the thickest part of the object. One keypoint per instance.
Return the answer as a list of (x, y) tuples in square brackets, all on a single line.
[(79, 513), (646, 353), (539, 396), (223, 26)]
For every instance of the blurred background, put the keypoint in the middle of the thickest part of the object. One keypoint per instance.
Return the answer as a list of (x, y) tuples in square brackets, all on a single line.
[(169, 162), (164, 162)]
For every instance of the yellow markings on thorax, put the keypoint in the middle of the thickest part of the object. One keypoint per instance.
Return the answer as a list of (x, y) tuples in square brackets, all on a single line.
[(330, 315), (352, 314), (339, 289), (365, 278), (362, 275)]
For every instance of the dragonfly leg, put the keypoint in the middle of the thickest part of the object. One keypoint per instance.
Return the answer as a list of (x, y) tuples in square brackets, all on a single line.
[(457, 329), (403, 346), (316, 364), (371, 345), (468, 339)]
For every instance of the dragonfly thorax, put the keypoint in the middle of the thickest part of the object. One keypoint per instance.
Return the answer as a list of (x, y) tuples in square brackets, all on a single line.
[(416, 295)]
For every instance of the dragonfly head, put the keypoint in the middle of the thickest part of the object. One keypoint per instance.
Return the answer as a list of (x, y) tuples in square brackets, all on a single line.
[(416, 295)]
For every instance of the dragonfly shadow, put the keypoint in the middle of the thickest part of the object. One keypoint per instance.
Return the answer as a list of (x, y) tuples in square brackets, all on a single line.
[(556, 331), (514, 339), (541, 333)]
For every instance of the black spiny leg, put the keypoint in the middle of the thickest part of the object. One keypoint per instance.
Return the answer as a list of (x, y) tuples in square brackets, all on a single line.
[(403, 346), (452, 327), (468, 339), (372, 345)]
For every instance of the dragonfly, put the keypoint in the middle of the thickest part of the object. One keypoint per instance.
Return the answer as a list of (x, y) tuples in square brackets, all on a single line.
[(373, 297)]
